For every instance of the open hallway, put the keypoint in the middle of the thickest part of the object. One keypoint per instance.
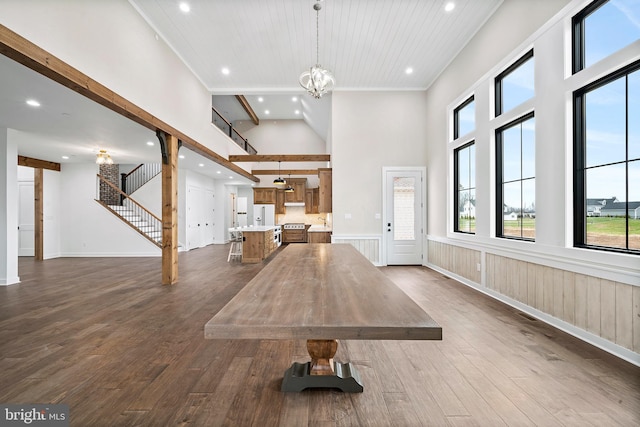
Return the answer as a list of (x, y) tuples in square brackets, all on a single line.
[(103, 336)]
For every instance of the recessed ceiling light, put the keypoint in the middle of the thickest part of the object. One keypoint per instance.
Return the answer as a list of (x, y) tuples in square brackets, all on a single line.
[(65, 157), (260, 99), (184, 6), (33, 103), (409, 70), (297, 112), (225, 71), (218, 172), (150, 143), (266, 111), (294, 99), (449, 6), (201, 165), (181, 156), (230, 177)]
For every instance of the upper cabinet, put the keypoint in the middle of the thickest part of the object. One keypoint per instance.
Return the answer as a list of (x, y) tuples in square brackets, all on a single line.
[(325, 190), (311, 200), (299, 186), (264, 196), (280, 209)]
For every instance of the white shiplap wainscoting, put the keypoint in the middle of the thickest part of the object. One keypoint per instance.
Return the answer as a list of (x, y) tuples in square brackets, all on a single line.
[(368, 245)]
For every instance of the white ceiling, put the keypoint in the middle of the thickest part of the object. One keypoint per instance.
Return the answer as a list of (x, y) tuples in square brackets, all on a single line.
[(266, 44)]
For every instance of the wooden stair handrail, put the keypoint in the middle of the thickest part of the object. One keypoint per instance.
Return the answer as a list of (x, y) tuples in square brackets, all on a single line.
[(122, 193)]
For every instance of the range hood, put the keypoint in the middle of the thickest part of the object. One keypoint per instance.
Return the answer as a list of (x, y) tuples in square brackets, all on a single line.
[(294, 204)]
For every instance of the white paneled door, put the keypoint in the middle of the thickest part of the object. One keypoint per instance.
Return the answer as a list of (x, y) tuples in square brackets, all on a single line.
[(403, 215), (26, 218)]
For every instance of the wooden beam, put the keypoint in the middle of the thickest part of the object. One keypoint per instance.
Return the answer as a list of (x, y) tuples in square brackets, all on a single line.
[(21, 50), (170, 213), (38, 229), (280, 157), (38, 164), (247, 107), (285, 172)]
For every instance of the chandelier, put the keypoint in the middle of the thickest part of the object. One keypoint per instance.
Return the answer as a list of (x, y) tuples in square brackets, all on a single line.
[(317, 81), (103, 158)]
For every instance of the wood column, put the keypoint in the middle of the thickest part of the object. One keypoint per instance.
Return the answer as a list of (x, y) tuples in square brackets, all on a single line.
[(38, 191), (170, 211)]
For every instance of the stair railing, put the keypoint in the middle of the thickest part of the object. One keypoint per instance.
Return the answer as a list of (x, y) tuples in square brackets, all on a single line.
[(143, 173), (137, 216), (226, 126)]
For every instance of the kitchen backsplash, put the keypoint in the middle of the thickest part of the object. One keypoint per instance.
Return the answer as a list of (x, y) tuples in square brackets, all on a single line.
[(296, 214)]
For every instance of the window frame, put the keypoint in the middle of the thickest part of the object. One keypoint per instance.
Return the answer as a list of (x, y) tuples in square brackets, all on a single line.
[(456, 119), (456, 199), (499, 176), (579, 160), (498, 110)]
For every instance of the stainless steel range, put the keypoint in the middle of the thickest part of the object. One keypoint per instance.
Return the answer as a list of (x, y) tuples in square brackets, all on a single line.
[(294, 233)]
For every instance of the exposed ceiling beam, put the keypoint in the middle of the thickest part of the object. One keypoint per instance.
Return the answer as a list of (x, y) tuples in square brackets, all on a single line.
[(38, 164), (285, 172), (247, 107), (21, 50), (280, 158)]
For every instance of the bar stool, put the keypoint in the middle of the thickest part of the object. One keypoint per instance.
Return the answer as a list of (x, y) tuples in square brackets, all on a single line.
[(236, 244)]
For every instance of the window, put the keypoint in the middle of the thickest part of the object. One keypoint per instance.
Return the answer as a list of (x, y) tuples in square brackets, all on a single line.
[(515, 178), (515, 84), (602, 28), (464, 118), (607, 162), (465, 188)]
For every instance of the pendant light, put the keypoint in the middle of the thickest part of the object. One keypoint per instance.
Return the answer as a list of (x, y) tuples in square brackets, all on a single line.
[(279, 181), (289, 188)]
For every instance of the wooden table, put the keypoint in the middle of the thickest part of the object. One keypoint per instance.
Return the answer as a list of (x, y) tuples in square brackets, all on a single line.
[(321, 293)]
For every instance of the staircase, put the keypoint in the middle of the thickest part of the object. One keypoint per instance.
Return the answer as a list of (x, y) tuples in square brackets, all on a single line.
[(130, 211), (151, 229)]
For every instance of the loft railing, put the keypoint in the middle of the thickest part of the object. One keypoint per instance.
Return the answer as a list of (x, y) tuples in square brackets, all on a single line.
[(226, 126), (131, 212), (142, 174)]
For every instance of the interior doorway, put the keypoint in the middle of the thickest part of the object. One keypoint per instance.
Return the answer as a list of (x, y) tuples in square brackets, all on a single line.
[(404, 215)]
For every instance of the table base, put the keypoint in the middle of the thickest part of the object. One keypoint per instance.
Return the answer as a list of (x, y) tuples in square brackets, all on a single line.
[(298, 377)]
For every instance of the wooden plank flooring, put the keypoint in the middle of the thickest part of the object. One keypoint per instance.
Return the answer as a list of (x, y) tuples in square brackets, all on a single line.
[(103, 336)]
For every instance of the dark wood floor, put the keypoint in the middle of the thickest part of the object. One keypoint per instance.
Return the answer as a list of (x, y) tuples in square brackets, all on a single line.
[(103, 336)]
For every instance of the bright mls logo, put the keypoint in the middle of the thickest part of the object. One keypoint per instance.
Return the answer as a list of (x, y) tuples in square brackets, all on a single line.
[(36, 415)]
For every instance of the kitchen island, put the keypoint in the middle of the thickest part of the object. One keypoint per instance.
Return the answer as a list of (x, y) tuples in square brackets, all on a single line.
[(259, 242)]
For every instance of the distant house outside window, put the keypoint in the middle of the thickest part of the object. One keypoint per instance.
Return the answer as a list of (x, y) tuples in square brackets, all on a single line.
[(515, 85), (465, 189), (515, 179)]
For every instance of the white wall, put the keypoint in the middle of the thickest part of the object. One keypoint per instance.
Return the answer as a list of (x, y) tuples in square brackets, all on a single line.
[(110, 42), (371, 130), (88, 229), (8, 209), (284, 137)]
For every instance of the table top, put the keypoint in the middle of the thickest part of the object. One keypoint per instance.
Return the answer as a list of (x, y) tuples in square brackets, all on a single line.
[(322, 291), (255, 228)]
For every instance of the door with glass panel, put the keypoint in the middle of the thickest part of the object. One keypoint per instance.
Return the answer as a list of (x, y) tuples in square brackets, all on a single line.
[(403, 221)]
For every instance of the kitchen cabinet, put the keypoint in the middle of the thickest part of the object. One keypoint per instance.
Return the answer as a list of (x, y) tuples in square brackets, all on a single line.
[(319, 237), (311, 200), (325, 198), (264, 196), (299, 186), (280, 209)]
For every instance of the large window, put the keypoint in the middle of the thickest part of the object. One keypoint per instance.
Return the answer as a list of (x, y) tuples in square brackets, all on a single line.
[(607, 162), (515, 84), (515, 177), (465, 188), (464, 118), (602, 28)]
